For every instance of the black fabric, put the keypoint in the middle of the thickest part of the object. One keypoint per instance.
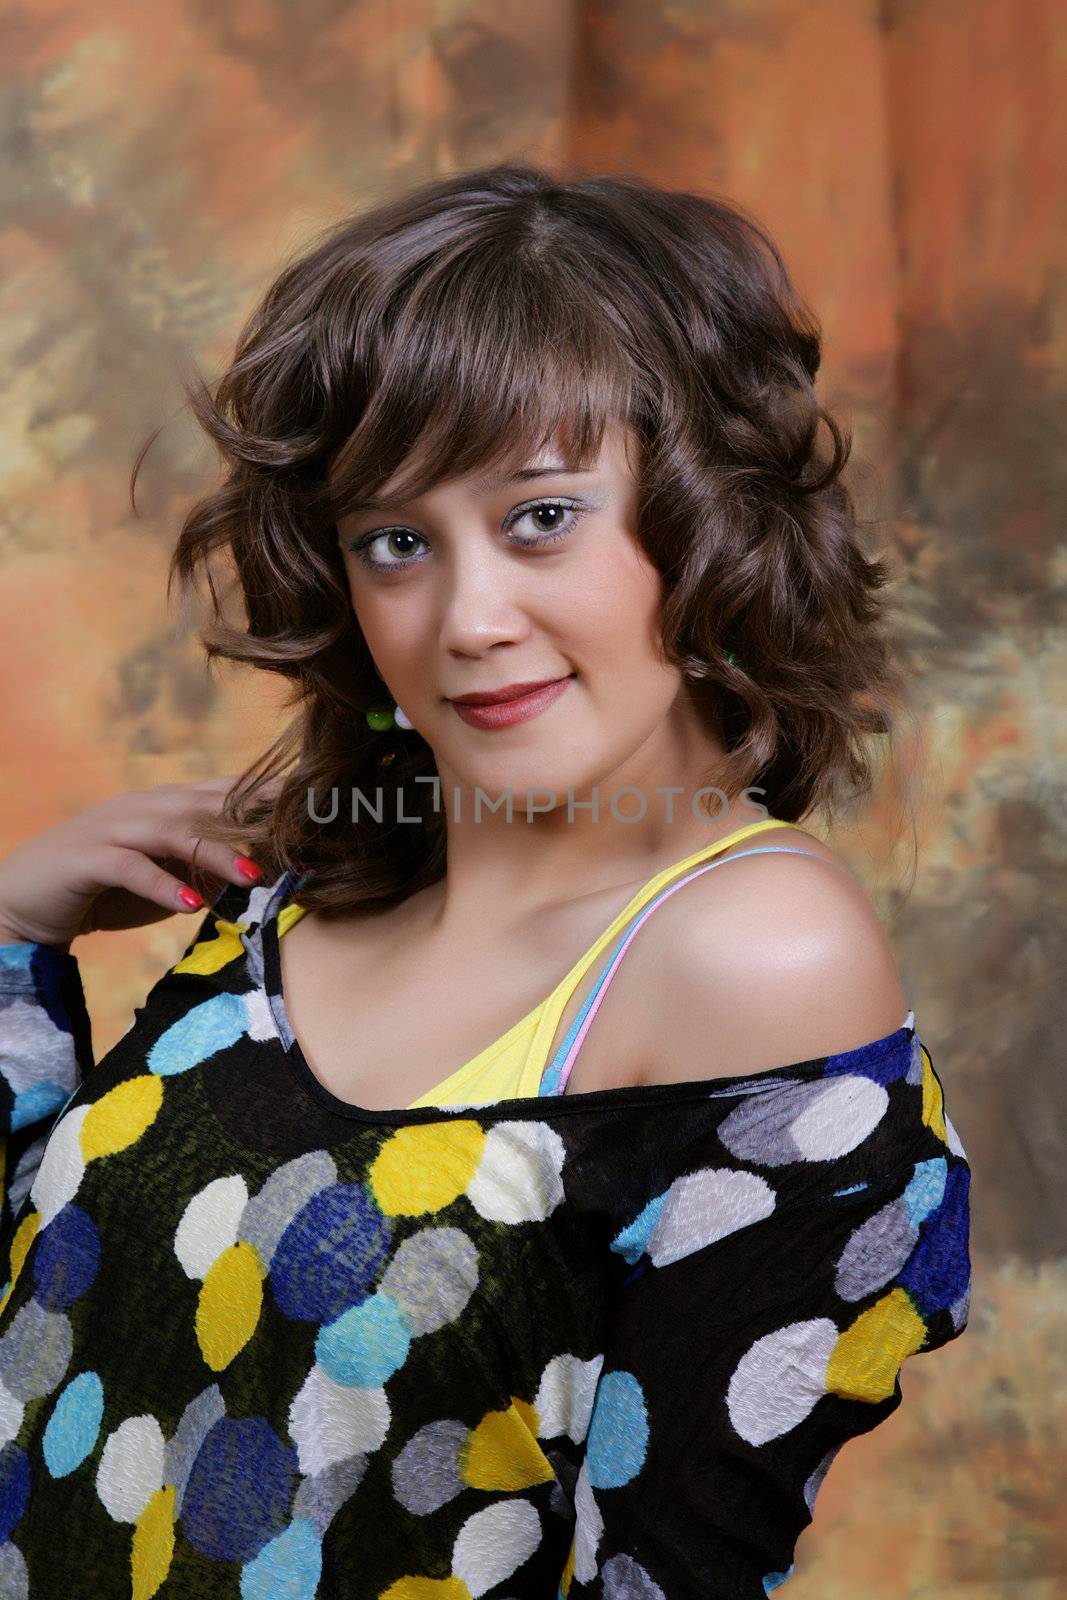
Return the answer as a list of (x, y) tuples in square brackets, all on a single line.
[(601, 1345)]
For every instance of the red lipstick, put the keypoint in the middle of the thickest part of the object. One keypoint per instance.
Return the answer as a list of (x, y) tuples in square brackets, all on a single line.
[(514, 702)]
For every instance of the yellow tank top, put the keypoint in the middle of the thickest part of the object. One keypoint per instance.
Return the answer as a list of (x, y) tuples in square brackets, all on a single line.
[(512, 1066)]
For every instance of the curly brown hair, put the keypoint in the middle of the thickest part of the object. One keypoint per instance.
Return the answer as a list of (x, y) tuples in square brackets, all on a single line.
[(460, 326)]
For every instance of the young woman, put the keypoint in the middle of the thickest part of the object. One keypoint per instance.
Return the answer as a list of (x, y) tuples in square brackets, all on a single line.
[(363, 1265)]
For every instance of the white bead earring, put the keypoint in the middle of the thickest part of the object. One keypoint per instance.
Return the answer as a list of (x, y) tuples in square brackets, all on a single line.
[(401, 718)]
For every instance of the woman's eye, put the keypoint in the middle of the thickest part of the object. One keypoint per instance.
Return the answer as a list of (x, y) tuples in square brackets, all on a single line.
[(557, 527), (562, 519), (403, 536)]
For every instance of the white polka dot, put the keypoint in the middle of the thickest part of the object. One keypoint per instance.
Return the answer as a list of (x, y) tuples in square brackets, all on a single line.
[(779, 1379), (131, 1468), (839, 1118), (704, 1206), (494, 1543), (589, 1527), (328, 1423), (564, 1399), (518, 1177), (12, 1412), (259, 1019), (62, 1166), (955, 1143), (209, 1224)]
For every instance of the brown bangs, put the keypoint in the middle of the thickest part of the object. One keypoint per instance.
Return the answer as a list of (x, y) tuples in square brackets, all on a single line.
[(480, 366)]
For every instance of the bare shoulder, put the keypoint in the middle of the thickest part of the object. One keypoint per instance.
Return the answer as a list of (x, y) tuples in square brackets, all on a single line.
[(767, 961)]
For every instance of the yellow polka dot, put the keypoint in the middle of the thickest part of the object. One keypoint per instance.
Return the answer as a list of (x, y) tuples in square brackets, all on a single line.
[(211, 954), (20, 1246), (868, 1355), (567, 1576), (502, 1452), (231, 1298), (153, 1544), (451, 1588), (933, 1100), (527, 1412), (424, 1167), (121, 1116)]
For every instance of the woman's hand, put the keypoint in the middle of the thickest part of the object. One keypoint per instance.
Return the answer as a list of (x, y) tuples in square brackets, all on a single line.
[(118, 864)]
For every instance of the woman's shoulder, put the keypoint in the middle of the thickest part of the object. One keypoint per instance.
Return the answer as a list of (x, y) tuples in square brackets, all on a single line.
[(792, 836), (803, 872), (772, 960)]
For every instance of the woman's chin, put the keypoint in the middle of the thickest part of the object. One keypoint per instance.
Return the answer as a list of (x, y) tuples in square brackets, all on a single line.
[(539, 785)]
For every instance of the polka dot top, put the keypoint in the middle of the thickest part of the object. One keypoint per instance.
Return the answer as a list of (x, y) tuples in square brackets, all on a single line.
[(256, 1342)]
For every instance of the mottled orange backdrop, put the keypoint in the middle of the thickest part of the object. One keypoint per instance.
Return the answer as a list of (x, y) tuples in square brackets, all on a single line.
[(162, 159)]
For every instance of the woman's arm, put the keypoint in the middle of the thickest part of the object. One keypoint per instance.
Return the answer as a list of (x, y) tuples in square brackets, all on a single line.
[(792, 1246), (45, 1052), (113, 865), (46, 1049), (738, 1364)]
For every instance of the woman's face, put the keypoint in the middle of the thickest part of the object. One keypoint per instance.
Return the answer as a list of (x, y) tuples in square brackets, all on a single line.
[(476, 586)]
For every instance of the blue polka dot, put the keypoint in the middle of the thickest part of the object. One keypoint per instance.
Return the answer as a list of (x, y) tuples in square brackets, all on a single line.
[(240, 1489), (330, 1255), (938, 1270), (66, 1258), (618, 1431), (14, 1488), (37, 1101), (203, 1032), (631, 1242), (74, 1424), (289, 1566), (17, 957), (926, 1188), (366, 1344)]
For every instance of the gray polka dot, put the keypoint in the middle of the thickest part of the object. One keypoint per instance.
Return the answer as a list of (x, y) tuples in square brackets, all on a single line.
[(915, 1066), (623, 1579), (35, 1351), (14, 1579), (286, 1191), (319, 1498), (432, 1276), (425, 1474), (758, 1129), (179, 1453), (875, 1251), (811, 1488)]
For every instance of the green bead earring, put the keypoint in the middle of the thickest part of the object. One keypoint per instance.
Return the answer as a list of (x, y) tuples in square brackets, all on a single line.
[(382, 716)]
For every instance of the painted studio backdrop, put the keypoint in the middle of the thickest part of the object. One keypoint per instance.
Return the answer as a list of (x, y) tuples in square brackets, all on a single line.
[(907, 157)]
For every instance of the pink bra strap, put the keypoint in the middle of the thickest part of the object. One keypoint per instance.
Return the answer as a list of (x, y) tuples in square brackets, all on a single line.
[(554, 1079)]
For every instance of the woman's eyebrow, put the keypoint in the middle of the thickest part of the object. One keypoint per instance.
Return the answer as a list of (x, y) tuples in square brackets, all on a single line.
[(487, 485), (502, 480)]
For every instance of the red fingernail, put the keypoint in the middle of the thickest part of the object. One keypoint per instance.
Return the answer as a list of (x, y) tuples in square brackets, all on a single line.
[(249, 868), (190, 898)]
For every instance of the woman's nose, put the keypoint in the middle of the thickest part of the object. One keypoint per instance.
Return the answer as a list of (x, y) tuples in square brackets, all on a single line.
[(482, 605)]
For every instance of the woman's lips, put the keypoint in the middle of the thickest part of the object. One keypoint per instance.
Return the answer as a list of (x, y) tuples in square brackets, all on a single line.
[(505, 712)]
